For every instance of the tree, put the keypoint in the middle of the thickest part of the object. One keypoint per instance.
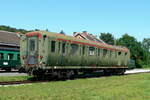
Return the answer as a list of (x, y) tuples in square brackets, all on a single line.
[(62, 32), (107, 38), (47, 30), (146, 44), (135, 48), (146, 48), (11, 29), (37, 29)]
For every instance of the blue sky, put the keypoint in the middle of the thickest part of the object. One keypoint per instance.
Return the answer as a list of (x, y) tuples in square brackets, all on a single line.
[(95, 16)]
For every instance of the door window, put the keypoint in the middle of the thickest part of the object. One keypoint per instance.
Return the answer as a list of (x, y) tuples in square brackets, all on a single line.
[(32, 45)]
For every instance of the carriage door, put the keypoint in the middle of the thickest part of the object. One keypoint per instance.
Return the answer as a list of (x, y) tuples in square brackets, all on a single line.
[(33, 50)]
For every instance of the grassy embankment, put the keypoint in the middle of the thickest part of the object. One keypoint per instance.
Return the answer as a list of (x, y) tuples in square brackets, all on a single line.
[(128, 87), (13, 78)]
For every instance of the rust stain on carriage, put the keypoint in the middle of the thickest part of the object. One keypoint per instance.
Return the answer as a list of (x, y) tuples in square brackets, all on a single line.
[(78, 42), (110, 47), (34, 34)]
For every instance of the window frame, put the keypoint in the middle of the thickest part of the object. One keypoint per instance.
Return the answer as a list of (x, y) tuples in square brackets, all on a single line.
[(18, 56), (92, 52), (53, 46), (119, 53), (1, 56), (63, 50), (72, 52), (105, 52), (32, 45), (83, 49), (10, 56)]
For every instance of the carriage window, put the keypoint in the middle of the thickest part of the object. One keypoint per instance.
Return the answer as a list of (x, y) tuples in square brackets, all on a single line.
[(91, 51), (59, 44), (1, 56), (32, 45), (80, 50), (83, 50), (74, 49), (99, 51), (63, 47), (96, 51), (10, 56), (18, 56), (53, 46), (119, 53), (111, 53), (104, 52), (67, 46)]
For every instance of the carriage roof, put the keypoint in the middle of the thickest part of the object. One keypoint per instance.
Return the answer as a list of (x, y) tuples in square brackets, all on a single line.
[(62, 37)]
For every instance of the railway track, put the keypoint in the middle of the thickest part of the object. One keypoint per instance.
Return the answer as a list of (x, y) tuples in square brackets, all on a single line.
[(45, 81), (21, 82)]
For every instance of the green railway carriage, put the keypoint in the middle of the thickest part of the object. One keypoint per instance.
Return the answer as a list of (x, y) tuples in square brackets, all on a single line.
[(9, 59), (53, 53), (9, 50)]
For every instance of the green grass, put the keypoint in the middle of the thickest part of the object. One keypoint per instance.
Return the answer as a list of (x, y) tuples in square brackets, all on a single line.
[(127, 87), (13, 78)]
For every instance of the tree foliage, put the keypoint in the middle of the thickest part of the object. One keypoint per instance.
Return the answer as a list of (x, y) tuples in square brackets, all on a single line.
[(62, 32), (11, 29), (140, 51), (137, 50), (146, 47), (146, 44), (107, 38)]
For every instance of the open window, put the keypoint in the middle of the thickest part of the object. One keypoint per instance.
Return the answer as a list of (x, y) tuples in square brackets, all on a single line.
[(91, 51), (119, 53), (10, 56)]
